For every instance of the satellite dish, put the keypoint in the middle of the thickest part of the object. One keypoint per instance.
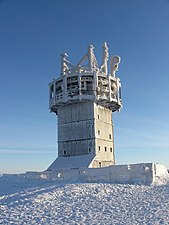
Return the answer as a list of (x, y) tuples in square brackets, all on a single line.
[(114, 63), (115, 59)]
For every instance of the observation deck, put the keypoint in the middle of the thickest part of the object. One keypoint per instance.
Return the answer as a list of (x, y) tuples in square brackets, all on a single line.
[(87, 82)]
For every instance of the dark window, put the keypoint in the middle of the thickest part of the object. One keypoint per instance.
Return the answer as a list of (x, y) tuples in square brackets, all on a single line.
[(65, 152), (105, 149), (100, 164), (98, 132), (111, 149), (82, 84), (99, 148), (89, 149), (51, 92), (98, 116), (109, 136)]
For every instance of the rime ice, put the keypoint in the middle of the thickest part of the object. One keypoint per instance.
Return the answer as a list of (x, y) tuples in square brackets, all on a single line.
[(84, 97)]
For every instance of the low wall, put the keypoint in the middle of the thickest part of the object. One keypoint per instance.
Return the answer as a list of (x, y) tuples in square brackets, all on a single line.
[(141, 173), (134, 173)]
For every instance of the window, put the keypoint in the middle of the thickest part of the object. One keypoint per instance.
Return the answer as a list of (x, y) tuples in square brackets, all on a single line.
[(99, 148), (51, 92), (98, 116), (111, 149), (105, 148), (100, 164), (64, 152), (82, 84), (98, 132), (109, 136), (89, 150)]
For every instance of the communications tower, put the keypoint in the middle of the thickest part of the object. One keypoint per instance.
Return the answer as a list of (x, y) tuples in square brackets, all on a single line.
[(84, 97)]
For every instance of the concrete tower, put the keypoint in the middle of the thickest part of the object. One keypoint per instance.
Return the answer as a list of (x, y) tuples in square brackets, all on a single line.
[(83, 98)]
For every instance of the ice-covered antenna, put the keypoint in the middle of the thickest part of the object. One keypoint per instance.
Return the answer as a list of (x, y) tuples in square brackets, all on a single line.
[(103, 67), (114, 63)]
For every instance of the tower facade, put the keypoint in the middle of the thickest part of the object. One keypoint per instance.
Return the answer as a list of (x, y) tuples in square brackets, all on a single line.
[(83, 98)]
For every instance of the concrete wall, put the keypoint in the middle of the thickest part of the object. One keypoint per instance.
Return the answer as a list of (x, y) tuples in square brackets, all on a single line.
[(86, 128), (76, 129), (135, 173), (142, 173), (104, 137)]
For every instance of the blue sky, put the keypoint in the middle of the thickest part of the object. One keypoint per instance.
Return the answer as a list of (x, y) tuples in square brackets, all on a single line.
[(33, 34)]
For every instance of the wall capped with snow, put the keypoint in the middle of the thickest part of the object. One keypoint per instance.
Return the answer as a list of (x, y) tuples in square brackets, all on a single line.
[(134, 173), (142, 173)]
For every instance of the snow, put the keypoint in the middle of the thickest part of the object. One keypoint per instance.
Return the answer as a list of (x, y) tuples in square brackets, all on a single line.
[(72, 162), (140, 173), (26, 201)]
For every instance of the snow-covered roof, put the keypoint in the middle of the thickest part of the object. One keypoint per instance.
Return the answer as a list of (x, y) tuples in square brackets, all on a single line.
[(72, 162)]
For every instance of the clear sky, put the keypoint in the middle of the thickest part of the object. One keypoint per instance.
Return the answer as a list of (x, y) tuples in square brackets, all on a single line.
[(33, 34)]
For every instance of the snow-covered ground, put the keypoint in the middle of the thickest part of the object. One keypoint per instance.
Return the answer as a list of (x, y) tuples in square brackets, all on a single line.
[(40, 202)]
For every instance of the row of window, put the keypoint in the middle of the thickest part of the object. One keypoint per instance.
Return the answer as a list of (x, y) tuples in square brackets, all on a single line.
[(105, 149), (100, 133), (89, 150)]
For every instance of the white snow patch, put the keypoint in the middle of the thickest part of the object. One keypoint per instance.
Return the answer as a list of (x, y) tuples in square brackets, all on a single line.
[(60, 197), (28, 202)]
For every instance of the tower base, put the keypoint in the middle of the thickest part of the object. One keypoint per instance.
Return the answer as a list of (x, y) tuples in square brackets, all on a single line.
[(86, 161)]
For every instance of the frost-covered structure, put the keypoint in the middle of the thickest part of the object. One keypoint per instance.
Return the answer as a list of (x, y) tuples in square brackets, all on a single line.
[(83, 98), (140, 173)]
